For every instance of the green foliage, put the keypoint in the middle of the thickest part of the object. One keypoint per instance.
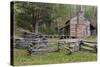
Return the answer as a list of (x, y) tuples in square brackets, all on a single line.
[(27, 14), (49, 30)]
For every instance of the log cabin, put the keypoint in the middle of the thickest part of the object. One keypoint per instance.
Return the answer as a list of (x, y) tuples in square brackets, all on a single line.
[(77, 27)]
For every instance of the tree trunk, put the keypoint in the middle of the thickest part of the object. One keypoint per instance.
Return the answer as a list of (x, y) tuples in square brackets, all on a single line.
[(33, 27), (34, 22)]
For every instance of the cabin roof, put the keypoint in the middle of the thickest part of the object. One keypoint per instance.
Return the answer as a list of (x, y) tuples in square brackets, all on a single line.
[(68, 21)]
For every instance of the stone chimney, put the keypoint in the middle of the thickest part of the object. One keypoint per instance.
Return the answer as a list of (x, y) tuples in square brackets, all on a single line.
[(80, 13)]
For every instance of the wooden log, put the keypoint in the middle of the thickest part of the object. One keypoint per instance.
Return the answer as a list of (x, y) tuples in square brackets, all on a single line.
[(87, 48), (90, 44), (66, 47), (69, 40), (88, 41)]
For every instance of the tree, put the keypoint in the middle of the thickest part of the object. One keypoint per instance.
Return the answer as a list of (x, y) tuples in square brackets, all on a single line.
[(46, 17), (27, 15)]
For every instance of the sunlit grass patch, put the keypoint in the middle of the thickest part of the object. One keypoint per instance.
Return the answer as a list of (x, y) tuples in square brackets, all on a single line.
[(21, 58)]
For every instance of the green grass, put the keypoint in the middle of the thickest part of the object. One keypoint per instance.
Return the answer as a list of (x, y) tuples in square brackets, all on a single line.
[(21, 58), (92, 38)]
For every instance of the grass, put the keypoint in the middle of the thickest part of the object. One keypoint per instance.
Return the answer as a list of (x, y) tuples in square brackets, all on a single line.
[(21, 58), (92, 38)]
